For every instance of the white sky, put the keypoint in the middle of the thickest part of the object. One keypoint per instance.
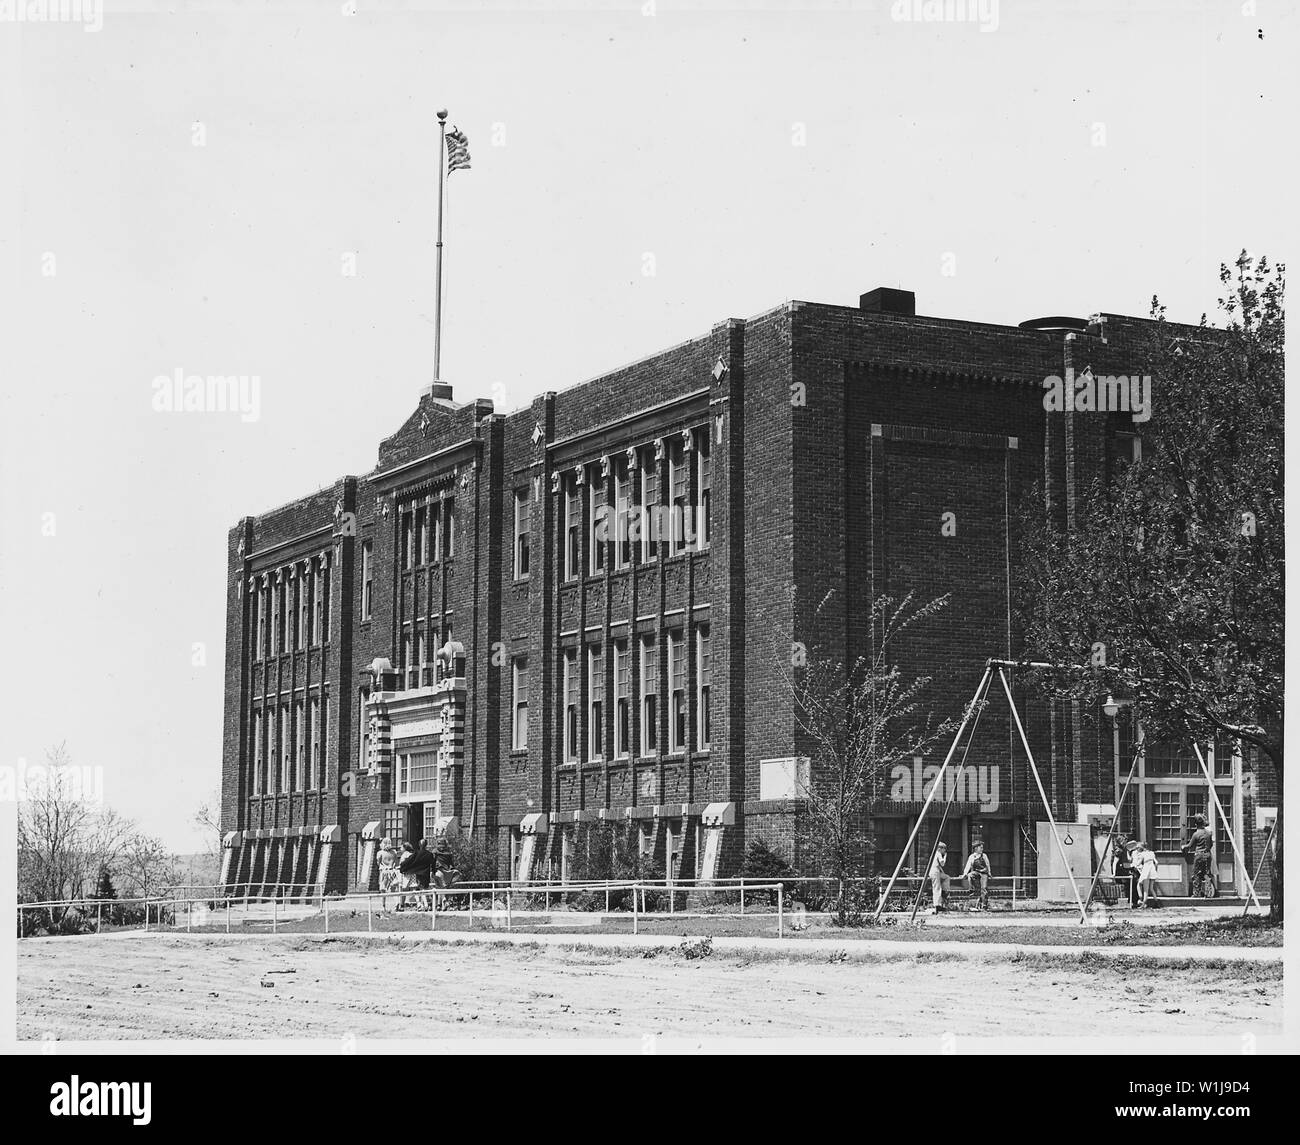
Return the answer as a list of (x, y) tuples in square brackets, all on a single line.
[(598, 135)]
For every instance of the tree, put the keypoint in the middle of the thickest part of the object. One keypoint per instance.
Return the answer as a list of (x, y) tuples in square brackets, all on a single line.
[(65, 838), (857, 721), (147, 868), (1170, 580)]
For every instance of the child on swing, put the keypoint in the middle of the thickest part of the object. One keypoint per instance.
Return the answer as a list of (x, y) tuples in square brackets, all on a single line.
[(976, 874)]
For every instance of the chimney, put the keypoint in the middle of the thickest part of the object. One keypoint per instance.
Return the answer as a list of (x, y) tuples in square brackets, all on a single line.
[(439, 390), (886, 300)]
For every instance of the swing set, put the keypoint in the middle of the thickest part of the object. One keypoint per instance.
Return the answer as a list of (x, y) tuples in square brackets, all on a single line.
[(975, 708)]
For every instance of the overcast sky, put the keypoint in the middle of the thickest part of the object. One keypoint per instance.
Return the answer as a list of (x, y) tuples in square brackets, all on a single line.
[(191, 179)]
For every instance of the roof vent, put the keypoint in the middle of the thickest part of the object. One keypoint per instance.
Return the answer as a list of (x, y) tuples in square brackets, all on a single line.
[(886, 300)]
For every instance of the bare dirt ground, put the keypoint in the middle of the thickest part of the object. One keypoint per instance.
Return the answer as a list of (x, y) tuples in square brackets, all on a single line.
[(177, 988)]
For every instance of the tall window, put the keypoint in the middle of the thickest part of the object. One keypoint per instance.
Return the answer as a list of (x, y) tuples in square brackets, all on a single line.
[(323, 769), (676, 691), (299, 748), (678, 496), (449, 532), (570, 707), (572, 530), (595, 703), (422, 657), (324, 577), (704, 494), (649, 697), (408, 539), (408, 657), (315, 768), (599, 523), (523, 522), (622, 699), (622, 511), (259, 603), (702, 681), (432, 515), (367, 579), (286, 749), (259, 760), (304, 605), (519, 672), (1165, 811), (278, 646), (650, 515), (318, 606), (421, 536)]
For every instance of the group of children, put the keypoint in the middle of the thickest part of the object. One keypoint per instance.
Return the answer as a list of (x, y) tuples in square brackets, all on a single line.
[(414, 869), (1135, 864)]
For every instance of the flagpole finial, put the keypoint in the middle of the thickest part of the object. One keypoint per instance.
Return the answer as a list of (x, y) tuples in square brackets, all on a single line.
[(442, 115)]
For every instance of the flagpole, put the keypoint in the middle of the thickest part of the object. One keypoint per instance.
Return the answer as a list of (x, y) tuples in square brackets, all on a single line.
[(437, 318)]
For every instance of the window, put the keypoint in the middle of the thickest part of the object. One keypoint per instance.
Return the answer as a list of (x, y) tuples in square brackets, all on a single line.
[(679, 525), (422, 657), (278, 638), (449, 532), (304, 607), (676, 692), (523, 522), (651, 516), (519, 686), (367, 579), (322, 772), (1000, 845), (599, 525), (622, 511), (1200, 803), (702, 677), (421, 536), (595, 703), (408, 539), (299, 748), (571, 707), (324, 604), (572, 530), (622, 699), (432, 514), (317, 593), (363, 723), (1165, 812), (417, 775), (704, 492), (408, 646), (649, 697), (315, 765), (394, 819), (286, 749), (259, 762), (259, 623), (890, 839)]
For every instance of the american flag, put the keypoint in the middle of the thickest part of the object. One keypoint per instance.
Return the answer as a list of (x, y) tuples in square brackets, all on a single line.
[(457, 150)]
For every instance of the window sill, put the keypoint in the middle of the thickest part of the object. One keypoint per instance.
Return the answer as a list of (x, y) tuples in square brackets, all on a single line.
[(518, 752)]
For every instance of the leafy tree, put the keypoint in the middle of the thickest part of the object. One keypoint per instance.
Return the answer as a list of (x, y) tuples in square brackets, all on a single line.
[(858, 721), (1170, 576)]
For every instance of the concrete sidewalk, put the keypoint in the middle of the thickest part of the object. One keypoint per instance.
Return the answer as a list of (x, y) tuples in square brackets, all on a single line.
[(865, 949)]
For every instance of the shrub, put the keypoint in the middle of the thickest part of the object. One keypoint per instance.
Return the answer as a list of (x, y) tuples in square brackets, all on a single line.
[(761, 862)]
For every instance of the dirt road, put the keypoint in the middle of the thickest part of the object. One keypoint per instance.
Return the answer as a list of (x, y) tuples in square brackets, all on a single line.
[(90, 989)]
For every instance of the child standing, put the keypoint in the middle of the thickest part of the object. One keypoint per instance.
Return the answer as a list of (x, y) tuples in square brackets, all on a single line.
[(939, 878)]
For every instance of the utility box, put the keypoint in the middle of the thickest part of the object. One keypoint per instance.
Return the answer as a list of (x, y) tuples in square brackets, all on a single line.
[(1053, 876)]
